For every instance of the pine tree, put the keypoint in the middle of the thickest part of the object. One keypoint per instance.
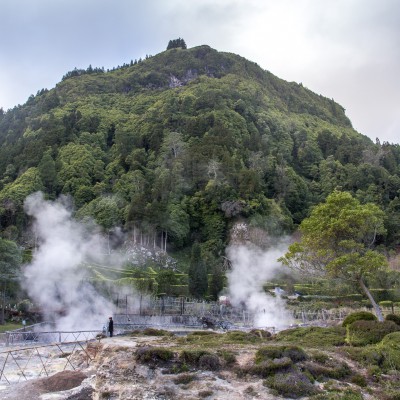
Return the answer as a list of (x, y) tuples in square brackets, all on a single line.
[(176, 43), (198, 282)]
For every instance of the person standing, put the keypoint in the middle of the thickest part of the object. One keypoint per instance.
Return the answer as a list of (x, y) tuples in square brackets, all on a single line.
[(110, 326)]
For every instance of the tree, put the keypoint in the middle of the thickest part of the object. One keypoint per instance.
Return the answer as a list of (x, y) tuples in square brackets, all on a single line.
[(337, 242), (198, 281), (176, 43), (10, 260)]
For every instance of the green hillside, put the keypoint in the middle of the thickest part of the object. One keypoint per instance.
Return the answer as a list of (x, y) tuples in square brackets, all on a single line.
[(182, 144)]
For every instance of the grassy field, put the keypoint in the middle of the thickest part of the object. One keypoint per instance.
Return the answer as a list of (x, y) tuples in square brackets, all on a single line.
[(9, 326)]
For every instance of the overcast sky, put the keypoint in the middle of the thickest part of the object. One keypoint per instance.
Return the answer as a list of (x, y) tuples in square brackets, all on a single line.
[(348, 50)]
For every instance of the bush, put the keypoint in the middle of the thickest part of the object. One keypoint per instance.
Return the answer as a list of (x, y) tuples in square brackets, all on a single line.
[(266, 368), (293, 385), (393, 317), (362, 333), (359, 380), (154, 354), (390, 348), (209, 362), (192, 357), (271, 352), (314, 336), (261, 333), (242, 337), (184, 379), (228, 357), (156, 332), (358, 316), (205, 393), (327, 370)]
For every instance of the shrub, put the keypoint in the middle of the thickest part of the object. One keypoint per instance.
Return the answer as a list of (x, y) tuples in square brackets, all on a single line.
[(339, 394), (358, 316), (386, 303), (154, 354), (293, 385), (314, 336), (362, 333), (271, 352), (328, 370), (156, 332), (209, 362), (192, 357), (390, 348), (228, 357), (261, 333), (393, 317), (359, 380), (242, 337), (266, 368), (205, 393), (184, 379)]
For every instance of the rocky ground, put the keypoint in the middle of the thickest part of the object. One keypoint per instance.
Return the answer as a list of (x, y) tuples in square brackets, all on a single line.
[(116, 373)]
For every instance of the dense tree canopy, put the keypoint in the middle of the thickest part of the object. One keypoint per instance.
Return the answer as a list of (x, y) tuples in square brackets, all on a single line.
[(179, 146)]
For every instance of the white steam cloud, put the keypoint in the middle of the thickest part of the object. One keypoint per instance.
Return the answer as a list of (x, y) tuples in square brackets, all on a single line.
[(250, 269), (56, 279)]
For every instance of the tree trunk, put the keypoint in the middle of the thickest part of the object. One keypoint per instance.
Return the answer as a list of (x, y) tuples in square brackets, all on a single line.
[(376, 307)]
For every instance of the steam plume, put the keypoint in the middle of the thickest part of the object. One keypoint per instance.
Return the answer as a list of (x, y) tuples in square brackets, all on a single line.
[(250, 269), (56, 279)]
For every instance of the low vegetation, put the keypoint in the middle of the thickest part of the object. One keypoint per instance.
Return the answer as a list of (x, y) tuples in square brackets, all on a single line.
[(315, 362)]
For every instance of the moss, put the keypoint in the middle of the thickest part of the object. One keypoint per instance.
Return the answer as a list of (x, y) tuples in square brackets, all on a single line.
[(358, 316), (293, 385), (362, 332), (314, 336), (295, 353)]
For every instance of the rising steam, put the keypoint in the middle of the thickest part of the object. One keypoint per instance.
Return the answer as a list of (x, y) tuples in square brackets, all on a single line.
[(56, 279), (250, 269)]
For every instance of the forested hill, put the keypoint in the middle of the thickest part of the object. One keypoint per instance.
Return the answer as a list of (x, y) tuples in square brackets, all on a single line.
[(180, 145)]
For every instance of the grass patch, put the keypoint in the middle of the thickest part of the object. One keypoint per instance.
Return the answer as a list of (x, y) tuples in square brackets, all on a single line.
[(10, 326)]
